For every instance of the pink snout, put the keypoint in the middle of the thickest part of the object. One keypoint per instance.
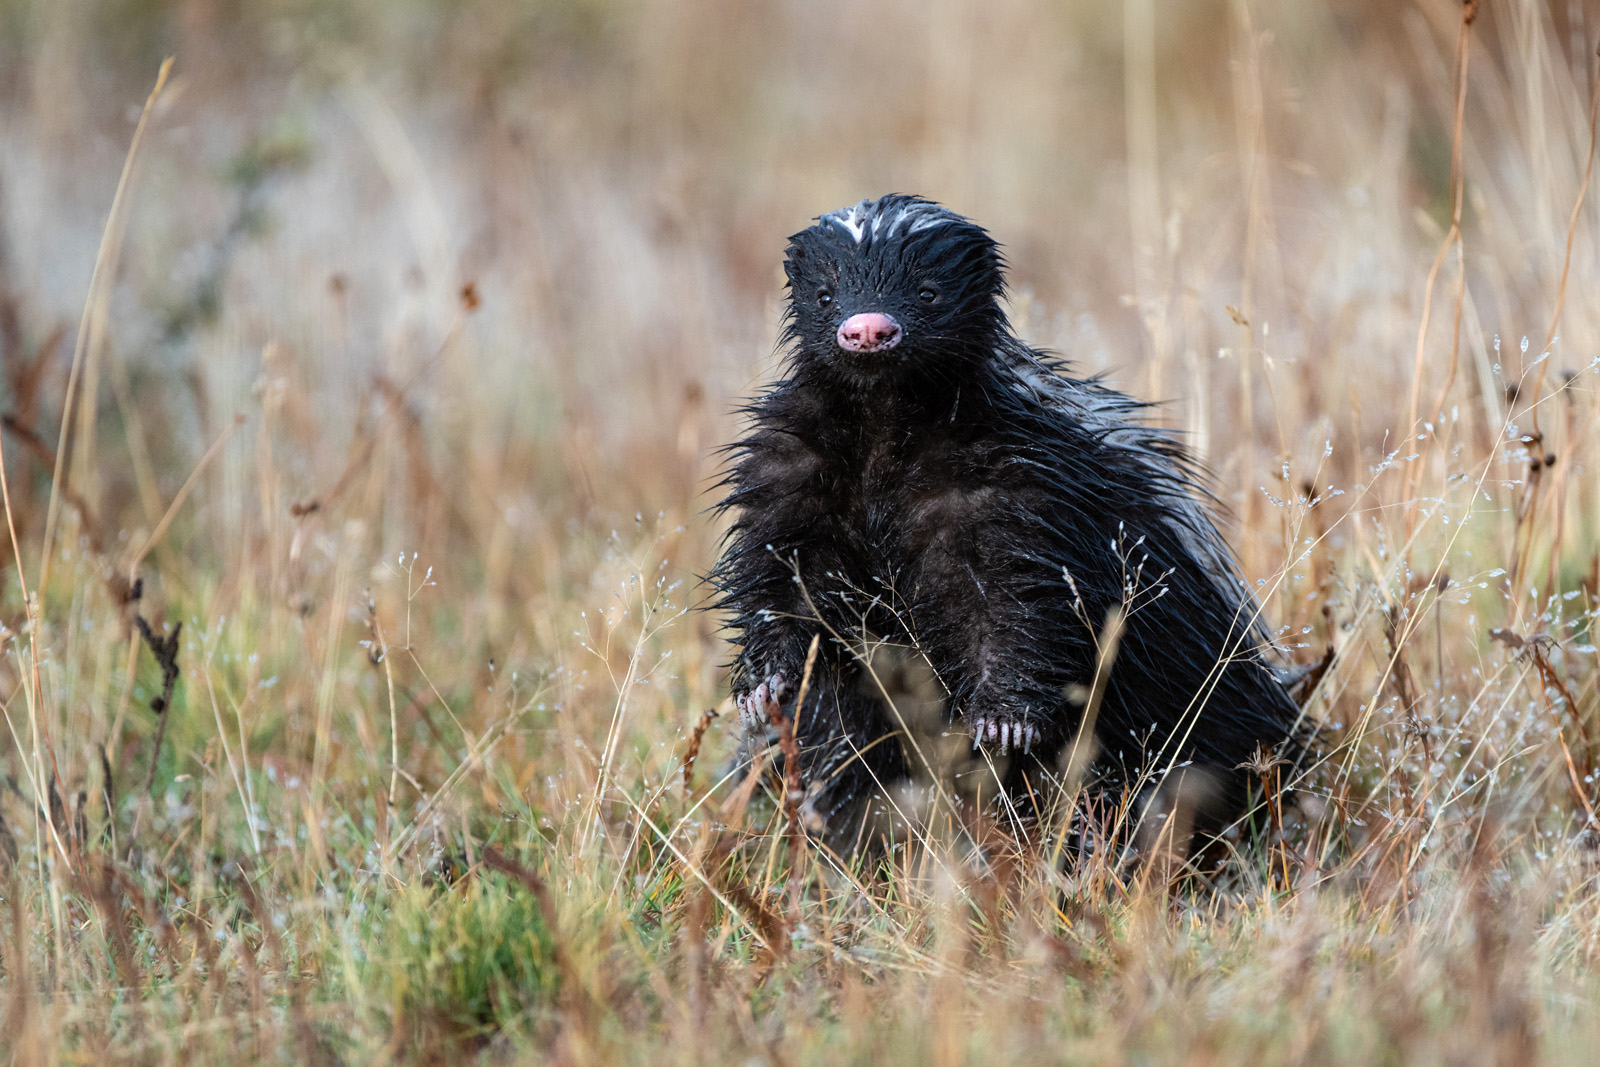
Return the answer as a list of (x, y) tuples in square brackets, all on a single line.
[(870, 331)]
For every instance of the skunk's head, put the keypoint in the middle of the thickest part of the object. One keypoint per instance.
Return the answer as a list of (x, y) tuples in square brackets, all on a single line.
[(897, 282)]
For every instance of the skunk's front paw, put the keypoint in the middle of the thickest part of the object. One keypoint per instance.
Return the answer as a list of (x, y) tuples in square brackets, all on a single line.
[(1010, 730), (758, 709)]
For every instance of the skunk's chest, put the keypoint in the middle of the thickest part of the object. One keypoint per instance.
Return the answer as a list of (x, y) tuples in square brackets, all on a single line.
[(887, 499)]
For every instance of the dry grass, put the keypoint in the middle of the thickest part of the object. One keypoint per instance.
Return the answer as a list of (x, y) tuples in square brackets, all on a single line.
[(408, 338)]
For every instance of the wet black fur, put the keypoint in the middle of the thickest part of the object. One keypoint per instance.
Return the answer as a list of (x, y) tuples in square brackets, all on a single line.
[(959, 494)]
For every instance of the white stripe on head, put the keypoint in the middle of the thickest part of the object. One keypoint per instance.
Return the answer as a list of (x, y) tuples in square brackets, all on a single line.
[(912, 218), (860, 219), (853, 219)]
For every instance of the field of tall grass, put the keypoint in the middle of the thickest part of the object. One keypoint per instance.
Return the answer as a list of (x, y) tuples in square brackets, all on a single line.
[(363, 374)]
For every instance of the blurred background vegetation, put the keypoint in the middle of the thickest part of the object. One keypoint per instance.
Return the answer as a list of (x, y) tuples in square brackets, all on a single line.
[(617, 179), (463, 294)]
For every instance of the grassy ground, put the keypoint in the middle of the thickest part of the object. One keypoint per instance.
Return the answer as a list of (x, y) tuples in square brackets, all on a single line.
[(381, 386)]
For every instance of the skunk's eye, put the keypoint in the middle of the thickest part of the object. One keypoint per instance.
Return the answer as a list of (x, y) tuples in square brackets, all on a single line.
[(824, 298), (927, 295)]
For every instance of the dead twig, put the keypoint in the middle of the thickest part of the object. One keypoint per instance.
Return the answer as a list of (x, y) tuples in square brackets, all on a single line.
[(696, 738), (165, 651)]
